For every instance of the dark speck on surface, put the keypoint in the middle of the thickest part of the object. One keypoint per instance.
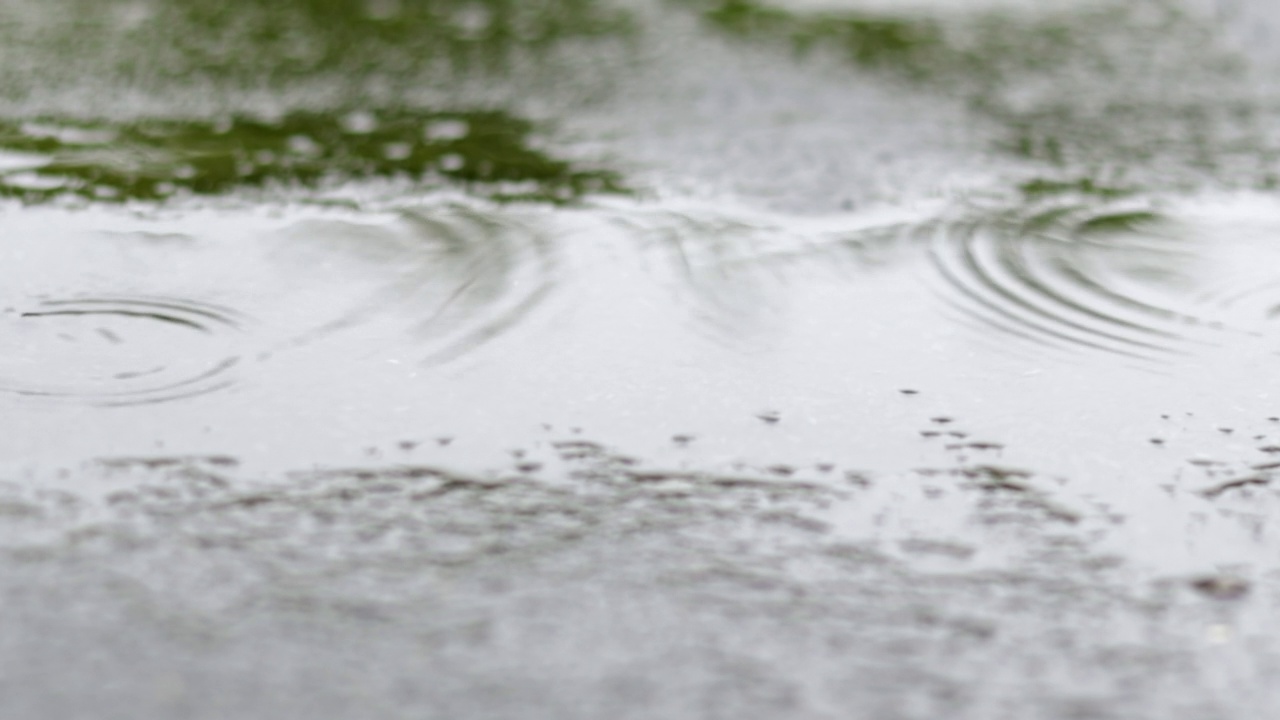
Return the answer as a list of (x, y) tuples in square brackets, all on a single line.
[(1221, 587), (1237, 484)]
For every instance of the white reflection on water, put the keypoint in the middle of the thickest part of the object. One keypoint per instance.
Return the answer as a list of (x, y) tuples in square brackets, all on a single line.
[(309, 335)]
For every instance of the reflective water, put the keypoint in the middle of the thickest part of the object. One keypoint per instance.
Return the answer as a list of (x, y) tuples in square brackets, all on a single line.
[(650, 360), (150, 160)]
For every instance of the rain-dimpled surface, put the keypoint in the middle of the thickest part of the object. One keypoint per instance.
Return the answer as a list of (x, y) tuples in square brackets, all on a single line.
[(578, 360)]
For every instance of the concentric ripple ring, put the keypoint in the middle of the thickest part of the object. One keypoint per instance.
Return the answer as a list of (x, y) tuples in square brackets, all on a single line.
[(125, 350), (1075, 278)]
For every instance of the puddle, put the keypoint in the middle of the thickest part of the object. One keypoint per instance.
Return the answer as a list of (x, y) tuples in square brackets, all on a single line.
[(428, 282), (785, 342), (756, 359)]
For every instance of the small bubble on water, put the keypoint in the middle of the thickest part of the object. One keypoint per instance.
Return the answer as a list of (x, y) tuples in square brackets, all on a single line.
[(1217, 634), (397, 151), (383, 9), (360, 122), (303, 145), (473, 20), (445, 130)]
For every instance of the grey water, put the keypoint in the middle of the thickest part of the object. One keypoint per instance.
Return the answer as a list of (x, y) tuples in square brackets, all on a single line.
[(840, 358)]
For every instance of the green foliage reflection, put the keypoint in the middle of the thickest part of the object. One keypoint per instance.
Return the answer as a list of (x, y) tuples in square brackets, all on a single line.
[(921, 48), (1141, 90), (275, 41), (489, 152)]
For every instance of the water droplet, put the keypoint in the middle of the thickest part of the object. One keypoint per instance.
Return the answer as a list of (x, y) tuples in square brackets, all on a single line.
[(397, 151), (446, 130), (360, 122)]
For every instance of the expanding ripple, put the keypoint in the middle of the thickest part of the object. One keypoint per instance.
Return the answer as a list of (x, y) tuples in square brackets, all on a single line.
[(112, 309), (117, 350), (733, 270), (1074, 278), (449, 279), (1070, 275)]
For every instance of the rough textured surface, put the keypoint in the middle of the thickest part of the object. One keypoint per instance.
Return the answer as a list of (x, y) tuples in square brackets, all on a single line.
[(568, 359)]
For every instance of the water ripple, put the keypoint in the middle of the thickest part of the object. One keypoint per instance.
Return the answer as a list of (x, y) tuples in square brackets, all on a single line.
[(1077, 278), (1117, 277), (118, 350), (108, 309), (449, 279)]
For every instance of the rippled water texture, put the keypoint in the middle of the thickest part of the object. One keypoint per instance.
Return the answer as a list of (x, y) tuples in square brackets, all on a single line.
[(108, 350), (1115, 283), (584, 359), (168, 313)]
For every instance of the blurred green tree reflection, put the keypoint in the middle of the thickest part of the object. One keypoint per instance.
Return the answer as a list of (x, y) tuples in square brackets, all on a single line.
[(127, 94), (270, 41), (969, 53), (488, 152), (1108, 97), (285, 38)]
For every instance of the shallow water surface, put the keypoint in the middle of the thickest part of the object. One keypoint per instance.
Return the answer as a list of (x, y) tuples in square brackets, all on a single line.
[(642, 360)]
